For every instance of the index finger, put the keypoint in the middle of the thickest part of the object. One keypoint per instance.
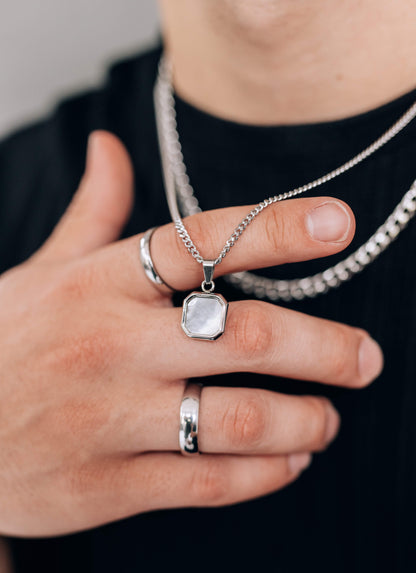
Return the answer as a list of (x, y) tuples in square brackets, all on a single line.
[(290, 231)]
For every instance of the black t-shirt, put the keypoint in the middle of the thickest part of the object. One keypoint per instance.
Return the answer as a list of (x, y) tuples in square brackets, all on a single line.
[(354, 509)]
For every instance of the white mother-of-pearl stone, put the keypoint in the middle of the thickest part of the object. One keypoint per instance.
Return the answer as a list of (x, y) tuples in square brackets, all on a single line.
[(204, 315)]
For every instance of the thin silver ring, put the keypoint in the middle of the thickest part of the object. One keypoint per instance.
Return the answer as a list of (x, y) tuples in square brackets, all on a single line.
[(147, 261), (189, 418)]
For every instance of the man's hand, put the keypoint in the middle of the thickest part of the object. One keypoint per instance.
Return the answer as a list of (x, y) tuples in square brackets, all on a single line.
[(94, 363)]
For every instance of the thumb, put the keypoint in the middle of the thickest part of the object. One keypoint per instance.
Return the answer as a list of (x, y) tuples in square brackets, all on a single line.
[(101, 205)]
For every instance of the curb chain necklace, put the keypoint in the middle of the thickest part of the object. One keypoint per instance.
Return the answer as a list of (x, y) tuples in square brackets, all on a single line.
[(204, 314)]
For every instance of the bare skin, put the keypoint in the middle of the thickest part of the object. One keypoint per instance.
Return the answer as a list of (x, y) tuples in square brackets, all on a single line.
[(290, 61), (89, 424)]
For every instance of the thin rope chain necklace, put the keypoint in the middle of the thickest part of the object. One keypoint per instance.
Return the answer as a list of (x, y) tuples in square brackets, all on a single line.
[(263, 287)]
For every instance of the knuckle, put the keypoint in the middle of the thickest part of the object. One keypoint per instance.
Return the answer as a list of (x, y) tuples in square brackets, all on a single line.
[(83, 353), (274, 230), (343, 361), (252, 331), (317, 422), (83, 479), (209, 484), (245, 422)]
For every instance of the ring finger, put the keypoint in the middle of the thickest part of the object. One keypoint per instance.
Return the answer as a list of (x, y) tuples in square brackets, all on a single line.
[(231, 421)]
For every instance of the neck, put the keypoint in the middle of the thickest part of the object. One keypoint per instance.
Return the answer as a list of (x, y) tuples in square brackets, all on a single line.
[(290, 61)]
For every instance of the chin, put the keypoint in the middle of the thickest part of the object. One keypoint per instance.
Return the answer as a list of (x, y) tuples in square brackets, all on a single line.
[(259, 15)]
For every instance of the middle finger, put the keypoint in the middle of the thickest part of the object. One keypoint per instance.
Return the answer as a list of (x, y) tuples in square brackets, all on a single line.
[(264, 338)]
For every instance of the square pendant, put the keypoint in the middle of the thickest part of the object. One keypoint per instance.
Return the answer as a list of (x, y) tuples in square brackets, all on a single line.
[(204, 315)]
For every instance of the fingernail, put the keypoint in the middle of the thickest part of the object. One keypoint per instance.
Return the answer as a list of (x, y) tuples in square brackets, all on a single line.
[(370, 359), (328, 222), (299, 462), (333, 421)]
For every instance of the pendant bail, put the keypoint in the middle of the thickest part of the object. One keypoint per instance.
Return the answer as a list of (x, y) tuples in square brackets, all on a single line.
[(208, 284)]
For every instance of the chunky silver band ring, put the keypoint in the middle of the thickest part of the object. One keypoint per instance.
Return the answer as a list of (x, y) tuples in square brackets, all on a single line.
[(147, 262), (188, 425)]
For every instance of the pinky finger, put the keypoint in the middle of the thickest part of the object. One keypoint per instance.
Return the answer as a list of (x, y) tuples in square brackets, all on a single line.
[(211, 480), (113, 489)]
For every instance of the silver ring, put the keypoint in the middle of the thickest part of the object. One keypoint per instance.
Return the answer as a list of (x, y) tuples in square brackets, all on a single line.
[(147, 262), (189, 417)]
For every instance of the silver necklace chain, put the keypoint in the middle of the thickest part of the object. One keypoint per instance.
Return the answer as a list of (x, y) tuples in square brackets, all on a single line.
[(178, 187)]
